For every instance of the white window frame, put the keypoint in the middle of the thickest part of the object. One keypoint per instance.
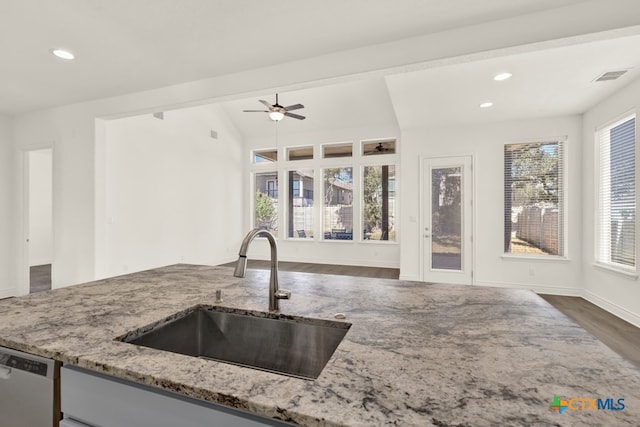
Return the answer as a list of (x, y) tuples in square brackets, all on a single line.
[(357, 161), (383, 162), (286, 201), (564, 228), (263, 167), (599, 250)]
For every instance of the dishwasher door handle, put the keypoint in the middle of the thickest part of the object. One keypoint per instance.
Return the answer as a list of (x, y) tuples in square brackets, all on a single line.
[(5, 373)]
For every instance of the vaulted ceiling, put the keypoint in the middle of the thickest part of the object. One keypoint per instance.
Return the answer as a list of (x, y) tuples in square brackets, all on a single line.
[(546, 83)]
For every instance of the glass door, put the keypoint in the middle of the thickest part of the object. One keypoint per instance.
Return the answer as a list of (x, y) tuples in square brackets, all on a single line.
[(447, 220)]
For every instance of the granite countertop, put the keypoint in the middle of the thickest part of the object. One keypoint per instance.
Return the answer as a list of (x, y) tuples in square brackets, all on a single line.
[(416, 354)]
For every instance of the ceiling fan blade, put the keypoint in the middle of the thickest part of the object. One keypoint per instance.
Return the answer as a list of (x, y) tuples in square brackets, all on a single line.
[(294, 107), (255, 111), (295, 116), (266, 104)]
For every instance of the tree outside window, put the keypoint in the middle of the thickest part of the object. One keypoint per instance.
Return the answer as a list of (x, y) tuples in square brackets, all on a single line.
[(379, 203), (533, 198), (266, 201)]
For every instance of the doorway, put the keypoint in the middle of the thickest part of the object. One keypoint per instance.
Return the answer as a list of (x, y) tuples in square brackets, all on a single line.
[(38, 218), (447, 220)]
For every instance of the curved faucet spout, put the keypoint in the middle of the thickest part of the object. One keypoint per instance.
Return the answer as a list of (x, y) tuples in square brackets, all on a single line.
[(275, 294)]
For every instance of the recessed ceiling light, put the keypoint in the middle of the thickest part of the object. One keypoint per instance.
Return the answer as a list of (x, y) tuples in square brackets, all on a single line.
[(63, 54), (486, 105), (502, 76)]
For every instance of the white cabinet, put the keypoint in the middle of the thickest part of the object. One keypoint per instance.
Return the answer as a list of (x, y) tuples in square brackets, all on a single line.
[(91, 399)]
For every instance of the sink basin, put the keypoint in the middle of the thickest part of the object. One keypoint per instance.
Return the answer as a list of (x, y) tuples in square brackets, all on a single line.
[(290, 345)]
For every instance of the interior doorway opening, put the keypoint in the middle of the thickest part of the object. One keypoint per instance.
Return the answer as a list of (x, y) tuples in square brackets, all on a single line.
[(39, 187)]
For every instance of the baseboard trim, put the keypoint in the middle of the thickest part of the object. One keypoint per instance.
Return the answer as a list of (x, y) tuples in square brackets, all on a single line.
[(539, 289), (410, 278), (612, 308), (604, 304), (6, 293)]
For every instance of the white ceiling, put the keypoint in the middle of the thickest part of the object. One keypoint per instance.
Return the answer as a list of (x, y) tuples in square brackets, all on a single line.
[(129, 46), (125, 46), (545, 83)]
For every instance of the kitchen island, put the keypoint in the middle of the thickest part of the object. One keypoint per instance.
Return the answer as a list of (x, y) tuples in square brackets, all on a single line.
[(417, 354)]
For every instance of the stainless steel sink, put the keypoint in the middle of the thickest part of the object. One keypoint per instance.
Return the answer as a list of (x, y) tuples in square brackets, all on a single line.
[(290, 345)]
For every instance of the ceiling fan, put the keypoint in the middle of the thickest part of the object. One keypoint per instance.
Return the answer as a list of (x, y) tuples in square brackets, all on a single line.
[(277, 111), (386, 147)]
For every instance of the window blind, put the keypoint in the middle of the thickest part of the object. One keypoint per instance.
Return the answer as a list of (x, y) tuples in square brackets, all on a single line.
[(534, 198), (616, 227)]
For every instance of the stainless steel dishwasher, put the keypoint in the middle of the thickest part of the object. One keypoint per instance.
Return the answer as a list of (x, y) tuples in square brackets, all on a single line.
[(29, 390)]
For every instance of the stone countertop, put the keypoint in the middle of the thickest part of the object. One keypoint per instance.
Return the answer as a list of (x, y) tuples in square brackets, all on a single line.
[(417, 354)]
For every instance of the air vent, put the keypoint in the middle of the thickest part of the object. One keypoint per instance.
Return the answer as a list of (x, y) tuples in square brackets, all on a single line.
[(611, 75)]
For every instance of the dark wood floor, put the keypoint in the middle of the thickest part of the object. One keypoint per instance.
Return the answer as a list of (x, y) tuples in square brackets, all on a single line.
[(343, 270), (620, 336), (40, 278)]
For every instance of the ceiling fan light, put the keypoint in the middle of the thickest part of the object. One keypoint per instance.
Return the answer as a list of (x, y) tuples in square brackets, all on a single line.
[(276, 116)]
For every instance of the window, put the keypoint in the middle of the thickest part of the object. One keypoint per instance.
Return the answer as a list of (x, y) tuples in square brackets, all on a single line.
[(295, 184), (379, 196), (265, 156), (338, 203), (301, 204), (328, 191), (533, 198), (272, 189), (266, 201), (300, 153), (616, 224), (330, 151), (375, 148)]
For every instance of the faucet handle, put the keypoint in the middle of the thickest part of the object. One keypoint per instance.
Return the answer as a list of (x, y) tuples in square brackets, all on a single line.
[(282, 294), (219, 296)]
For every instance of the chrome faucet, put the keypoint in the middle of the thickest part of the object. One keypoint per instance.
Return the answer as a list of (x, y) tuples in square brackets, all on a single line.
[(275, 294)]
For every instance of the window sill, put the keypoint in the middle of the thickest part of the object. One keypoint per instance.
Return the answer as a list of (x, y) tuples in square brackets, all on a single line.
[(379, 242), (537, 258), (617, 270), (363, 241)]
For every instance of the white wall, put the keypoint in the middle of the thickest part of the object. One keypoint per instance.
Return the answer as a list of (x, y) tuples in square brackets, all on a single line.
[(486, 144), (40, 207), (374, 254), (70, 130), (173, 193), (79, 175), (7, 219), (614, 292)]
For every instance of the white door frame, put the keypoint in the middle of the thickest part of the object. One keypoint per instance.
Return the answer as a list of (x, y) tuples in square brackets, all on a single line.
[(24, 284), (465, 276)]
